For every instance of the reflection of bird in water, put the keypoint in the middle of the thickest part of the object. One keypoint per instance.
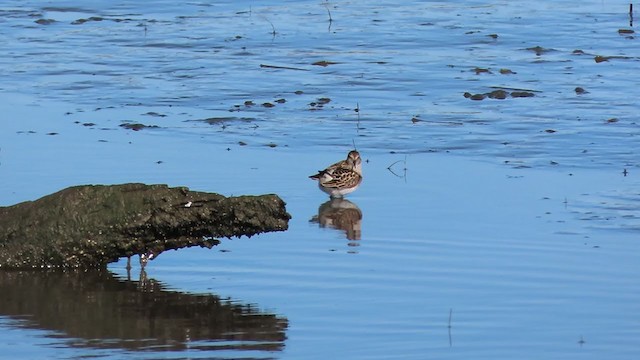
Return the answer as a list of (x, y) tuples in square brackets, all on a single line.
[(341, 214), (341, 178)]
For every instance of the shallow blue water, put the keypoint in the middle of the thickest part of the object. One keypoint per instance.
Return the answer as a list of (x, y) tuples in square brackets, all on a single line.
[(395, 62), (493, 238)]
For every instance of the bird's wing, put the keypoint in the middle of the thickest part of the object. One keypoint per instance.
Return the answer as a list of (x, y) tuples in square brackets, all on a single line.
[(329, 170), (341, 178)]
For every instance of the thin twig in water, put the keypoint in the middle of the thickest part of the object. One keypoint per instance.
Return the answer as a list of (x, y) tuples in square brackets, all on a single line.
[(404, 169), (326, 6), (272, 27), (357, 110), (389, 167), (245, 12), (281, 67), (449, 327)]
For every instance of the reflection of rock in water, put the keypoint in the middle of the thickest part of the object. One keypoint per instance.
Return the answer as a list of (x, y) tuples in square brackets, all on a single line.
[(97, 310), (341, 214)]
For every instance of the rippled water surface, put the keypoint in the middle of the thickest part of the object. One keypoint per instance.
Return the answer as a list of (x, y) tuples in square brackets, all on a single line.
[(485, 228)]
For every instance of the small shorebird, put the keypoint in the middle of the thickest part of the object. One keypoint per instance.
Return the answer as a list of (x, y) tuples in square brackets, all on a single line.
[(341, 178)]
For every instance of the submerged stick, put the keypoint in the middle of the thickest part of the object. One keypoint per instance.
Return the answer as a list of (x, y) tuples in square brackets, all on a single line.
[(404, 175), (273, 28), (326, 6), (281, 67), (449, 327)]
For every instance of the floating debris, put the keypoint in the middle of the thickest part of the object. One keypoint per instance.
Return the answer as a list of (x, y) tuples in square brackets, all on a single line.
[(580, 90), (153, 113), (416, 119), (82, 21), (479, 70), (499, 94), (474, 96), (281, 67), (539, 50), (268, 105), (521, 94), (45, 21), (600, 58), (319, 103), (324, 63), (216, 120), (137, 126)]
